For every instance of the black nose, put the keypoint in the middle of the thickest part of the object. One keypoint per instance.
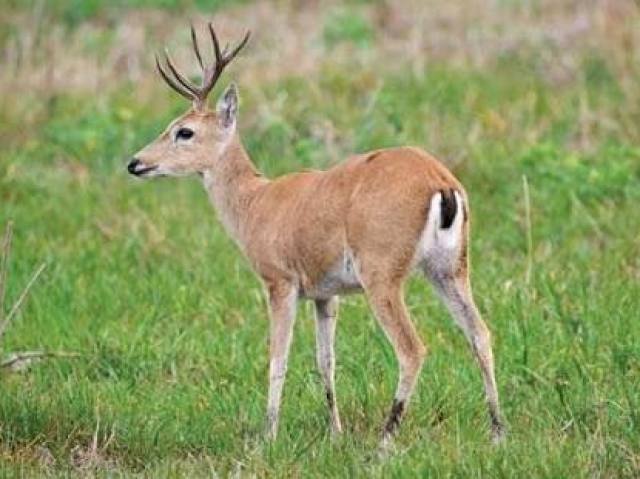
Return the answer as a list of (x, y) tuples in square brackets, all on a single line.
[(131, 167)]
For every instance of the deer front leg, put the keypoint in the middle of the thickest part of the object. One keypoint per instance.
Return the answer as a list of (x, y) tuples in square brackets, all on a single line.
[(282, 308), (326, 313)]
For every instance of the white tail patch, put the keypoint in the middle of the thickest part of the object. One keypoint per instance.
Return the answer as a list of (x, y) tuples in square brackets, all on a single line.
[(434, 235), (439, 247)]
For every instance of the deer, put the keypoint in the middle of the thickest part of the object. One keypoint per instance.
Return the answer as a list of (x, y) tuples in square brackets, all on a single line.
[(364, 225)]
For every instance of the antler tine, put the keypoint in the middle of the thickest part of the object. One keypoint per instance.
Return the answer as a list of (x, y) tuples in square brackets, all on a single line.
[(216, 45), (224, 58), (213, 73), (183, 81), (240, 46), (194, 39), (187, 94)]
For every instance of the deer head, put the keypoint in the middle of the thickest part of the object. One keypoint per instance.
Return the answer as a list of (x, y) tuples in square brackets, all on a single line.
[(192, 142)]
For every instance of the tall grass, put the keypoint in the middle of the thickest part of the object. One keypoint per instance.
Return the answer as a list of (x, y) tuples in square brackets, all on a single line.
[(170, 322)]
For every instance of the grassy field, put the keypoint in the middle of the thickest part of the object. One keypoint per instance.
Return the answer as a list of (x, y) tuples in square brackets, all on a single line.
[(168, 320)]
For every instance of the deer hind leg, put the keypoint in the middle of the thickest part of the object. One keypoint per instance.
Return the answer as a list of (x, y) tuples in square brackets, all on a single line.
[(386, 300), (458, 299), (326, 314), (446, 266)]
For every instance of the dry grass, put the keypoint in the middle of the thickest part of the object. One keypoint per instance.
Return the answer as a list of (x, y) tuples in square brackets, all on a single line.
[(44, 57)]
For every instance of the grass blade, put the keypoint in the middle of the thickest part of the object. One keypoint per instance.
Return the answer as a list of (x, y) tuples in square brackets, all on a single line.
[(4, 265), (527, 212), (23, 296)]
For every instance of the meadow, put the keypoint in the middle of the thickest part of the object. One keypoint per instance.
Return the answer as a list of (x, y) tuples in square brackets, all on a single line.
[(534, 105)]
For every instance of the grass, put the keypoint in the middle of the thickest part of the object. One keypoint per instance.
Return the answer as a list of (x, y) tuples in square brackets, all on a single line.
[(171, 326), (73, 13)]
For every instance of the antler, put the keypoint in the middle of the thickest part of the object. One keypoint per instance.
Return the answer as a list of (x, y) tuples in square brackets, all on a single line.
[(210, 73)]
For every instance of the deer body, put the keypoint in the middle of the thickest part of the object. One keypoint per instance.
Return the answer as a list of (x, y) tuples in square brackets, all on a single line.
[(312, 227), (363, 225)]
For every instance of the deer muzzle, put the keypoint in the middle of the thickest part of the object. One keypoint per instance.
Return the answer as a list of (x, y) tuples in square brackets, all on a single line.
[(137, 168)]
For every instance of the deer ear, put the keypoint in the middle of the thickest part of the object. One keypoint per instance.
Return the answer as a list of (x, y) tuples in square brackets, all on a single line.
[(227, 107)]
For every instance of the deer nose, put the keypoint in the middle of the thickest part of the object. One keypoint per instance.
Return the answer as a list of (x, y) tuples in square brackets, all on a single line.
[(131, 167)]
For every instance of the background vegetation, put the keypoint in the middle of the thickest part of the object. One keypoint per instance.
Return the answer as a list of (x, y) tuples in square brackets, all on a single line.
[(170, 323)]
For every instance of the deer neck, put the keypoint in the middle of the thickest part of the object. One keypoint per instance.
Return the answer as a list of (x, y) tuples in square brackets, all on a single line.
[(232, 183)]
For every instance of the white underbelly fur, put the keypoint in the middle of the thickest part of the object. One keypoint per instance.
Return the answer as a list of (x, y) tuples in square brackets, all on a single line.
[(341, 279)]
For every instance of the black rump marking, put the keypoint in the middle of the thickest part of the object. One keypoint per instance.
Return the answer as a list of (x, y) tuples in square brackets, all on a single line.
[(448, 208)]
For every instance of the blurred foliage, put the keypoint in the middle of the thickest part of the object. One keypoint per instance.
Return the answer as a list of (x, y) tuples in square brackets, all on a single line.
[(73, 12), (347, 25)]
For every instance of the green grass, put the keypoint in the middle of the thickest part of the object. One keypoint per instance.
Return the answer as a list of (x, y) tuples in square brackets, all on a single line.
[(171, 324), (73, 13)]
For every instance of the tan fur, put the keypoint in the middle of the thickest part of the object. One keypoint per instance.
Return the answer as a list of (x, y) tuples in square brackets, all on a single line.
[(364, 224)]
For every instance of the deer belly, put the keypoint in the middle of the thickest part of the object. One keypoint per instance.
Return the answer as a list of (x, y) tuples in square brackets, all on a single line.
[(342, 278)]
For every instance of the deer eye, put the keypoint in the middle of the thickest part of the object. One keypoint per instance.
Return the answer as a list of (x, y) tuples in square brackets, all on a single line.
[(184, 134)]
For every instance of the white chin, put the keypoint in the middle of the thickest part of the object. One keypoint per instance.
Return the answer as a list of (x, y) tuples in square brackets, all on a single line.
[(154, 173), (159, 171)]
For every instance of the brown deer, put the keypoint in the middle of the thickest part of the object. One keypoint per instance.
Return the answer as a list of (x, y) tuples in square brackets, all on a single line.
[(361, 226)]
